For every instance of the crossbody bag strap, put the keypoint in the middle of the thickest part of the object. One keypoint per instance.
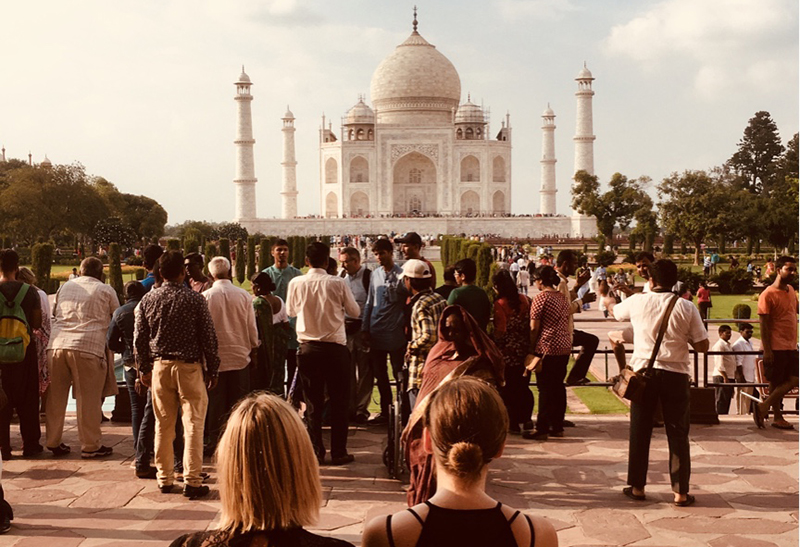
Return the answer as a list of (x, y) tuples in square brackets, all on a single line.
[(661, 330)]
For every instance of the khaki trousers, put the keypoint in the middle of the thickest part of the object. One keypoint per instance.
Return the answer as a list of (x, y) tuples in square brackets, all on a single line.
[(178, 385), (86, 373)]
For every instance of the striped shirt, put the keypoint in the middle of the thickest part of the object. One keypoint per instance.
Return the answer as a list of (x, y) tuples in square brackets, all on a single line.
[(426, 309)]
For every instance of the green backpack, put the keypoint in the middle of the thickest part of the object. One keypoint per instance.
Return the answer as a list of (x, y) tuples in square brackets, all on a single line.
[(14, 332)]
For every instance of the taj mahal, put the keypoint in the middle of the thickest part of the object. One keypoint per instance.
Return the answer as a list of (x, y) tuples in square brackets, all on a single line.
[(417, 159)]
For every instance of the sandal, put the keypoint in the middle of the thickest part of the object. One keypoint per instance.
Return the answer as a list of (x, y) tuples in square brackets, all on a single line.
[(636, 497), (758, 418), (690, 499), (782, 425)]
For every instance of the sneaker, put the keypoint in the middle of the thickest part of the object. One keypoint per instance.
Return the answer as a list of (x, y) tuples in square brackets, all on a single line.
[(101, 452), (568, 423), (343, 460), (380, 419), (558, 434), (32, 452), (514, 429), (528, 426), (60, 450), (146, 472), (194, 492), (166, 488), (5, 525)]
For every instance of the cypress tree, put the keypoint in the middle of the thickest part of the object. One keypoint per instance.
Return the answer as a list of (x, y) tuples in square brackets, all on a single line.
[(240, 261), (115, 270), (173, 244), (225, 248), (251, 257), (264, 259), (211, 252)]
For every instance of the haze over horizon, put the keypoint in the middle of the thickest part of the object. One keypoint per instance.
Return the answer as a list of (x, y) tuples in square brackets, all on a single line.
[(142, 94)]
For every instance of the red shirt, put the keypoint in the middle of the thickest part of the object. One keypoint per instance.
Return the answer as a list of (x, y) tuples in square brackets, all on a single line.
[(552, 310), (703, 295)]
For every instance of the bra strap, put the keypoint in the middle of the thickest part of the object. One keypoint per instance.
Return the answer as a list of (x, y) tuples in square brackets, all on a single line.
[(389, 531), (530, 525), (416, 516), (513, 518)]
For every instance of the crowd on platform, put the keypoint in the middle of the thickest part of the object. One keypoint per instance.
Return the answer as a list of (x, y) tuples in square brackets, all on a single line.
[(213, 371)]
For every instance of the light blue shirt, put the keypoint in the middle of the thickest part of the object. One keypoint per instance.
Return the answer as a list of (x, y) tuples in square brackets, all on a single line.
[(281, 279), (384, 316)]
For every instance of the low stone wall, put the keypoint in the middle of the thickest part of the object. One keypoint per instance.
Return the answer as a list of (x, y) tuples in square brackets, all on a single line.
[(521, 227)]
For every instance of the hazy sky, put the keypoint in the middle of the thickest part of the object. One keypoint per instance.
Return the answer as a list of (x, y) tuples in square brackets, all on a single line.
[(142, 92)]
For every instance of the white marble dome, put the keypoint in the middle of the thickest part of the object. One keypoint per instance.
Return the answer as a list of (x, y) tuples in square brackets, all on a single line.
[(470, 113), (584, 74), (416, 83), (360, 113)]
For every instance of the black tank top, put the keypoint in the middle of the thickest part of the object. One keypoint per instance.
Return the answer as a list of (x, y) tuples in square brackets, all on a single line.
[(464, 527)]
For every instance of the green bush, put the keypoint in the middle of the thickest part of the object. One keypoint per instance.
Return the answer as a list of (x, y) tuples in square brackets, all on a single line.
[(140, 273), (484, 262), (173, 244), (692, 279), (771, 279), (41, 262), (115, 270), (742, 311), (250, 270), (240, 261), (211, 252), (605, 258), (264, 258), (736, 281), (190, 245), (225, 248)]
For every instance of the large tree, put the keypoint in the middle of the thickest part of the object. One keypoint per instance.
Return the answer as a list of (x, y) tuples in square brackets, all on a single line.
[(691, 203), (758, 152), (616, 207)]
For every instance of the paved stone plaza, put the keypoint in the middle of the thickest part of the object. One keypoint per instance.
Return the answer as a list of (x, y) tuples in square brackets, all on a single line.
[(745, 480)]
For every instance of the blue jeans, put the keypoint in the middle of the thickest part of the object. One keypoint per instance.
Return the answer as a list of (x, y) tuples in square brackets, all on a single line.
[(145, 441), (138, 403)]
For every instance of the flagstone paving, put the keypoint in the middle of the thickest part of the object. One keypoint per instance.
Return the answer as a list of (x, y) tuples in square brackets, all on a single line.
[(745, 480)]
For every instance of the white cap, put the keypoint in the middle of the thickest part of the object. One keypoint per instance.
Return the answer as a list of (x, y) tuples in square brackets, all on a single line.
[(416, 269)]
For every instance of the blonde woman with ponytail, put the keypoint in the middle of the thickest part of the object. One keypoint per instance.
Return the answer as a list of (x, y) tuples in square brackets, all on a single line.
[(465, 429)]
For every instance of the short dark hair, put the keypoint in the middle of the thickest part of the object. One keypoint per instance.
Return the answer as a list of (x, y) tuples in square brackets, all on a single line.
[(467, 268), (419, 284), (171, 265), (9, 260), (724, 328), (449, 273), (195, 258), (664, 272), (783, 260), (279, 243), (333, 266), (134, 290), (548, 276), (745, 326), (264, 281), (645, 255), (352, 252), (317, 254), (151, 255), (567, 255), (382, 244)]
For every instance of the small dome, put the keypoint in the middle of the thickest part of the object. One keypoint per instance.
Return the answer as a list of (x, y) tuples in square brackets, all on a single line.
[(470, 113), (46, 162), (360, 113), (288, 114), (243, 77), (548, 112), (584, 74)]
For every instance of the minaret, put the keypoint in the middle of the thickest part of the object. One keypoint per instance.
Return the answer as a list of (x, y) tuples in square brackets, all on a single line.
[(547, 204), (245, 166), (584, 136), (3, 154), (289, 164)]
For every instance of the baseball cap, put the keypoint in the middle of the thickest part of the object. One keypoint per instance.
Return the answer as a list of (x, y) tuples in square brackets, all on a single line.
[(416, 269), (410, 237)]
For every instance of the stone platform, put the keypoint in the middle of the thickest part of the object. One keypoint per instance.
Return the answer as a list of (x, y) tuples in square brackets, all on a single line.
[(745, 480)]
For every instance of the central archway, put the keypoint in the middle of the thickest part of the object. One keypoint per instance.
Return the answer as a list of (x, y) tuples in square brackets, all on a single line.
[(414, 185)]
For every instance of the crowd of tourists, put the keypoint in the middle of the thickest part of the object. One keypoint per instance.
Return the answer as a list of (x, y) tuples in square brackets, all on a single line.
[(213, 371)]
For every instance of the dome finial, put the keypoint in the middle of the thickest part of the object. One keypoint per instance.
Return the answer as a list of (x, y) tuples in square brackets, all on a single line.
[(415, 19)]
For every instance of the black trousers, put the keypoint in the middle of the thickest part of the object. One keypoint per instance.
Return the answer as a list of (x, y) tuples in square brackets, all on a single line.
[(672, 389), (377, 358), (324, 365), (552, 393), (722, 395), (588, 344), (517, 396), (21, 384)]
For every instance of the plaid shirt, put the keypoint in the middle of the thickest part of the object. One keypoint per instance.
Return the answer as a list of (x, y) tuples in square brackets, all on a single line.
[(426, 309)]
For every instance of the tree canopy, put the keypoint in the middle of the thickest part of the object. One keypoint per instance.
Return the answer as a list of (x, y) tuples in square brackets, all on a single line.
[(758, 152)]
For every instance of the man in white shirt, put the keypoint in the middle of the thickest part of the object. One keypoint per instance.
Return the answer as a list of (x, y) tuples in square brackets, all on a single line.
[(77, 350), (320, 302), (724, 370), (669, 380), (361, 377), (234, 320), (745, 367)]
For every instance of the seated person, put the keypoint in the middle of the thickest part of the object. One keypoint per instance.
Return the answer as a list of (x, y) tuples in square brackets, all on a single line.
[(268, 480), (465, 429)]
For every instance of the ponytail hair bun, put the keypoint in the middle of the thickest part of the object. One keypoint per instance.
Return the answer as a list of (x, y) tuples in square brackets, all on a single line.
[(465, 459)]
